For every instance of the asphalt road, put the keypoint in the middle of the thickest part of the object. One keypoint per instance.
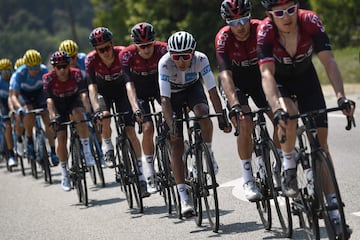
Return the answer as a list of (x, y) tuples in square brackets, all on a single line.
[(32, 209)]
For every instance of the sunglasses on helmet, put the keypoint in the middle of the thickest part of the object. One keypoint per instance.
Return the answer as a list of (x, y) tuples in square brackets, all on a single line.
[(145, 45), (183, 56), (242, 21), (281, 13)]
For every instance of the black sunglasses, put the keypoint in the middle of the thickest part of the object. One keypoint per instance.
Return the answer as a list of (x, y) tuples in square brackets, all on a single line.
[(104, 49)]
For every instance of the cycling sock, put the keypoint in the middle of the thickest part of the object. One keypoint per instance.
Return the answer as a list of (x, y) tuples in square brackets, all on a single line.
[(246, 170), (149, 159), (182, 192), (140, 168), (86, 145), (30, 140), (53, 149), (64, 171), (19, 139), (11, 153), (289, 160), (107, 145)]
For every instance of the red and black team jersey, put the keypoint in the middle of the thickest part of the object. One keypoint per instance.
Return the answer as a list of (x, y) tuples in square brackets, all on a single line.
[(312, 38), (110, 81), (143, 72), (54, 88)]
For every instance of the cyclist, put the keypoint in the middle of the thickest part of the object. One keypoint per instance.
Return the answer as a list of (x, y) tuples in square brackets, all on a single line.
[(140, 62), (77, 58), (18, 63), (66, 96), (240, 77), (108, 84), (179, 79), (26, 89), (286, 39), (6, 107)]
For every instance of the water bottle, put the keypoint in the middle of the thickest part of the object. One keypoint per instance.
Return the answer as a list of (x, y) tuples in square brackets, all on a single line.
[(309, 181)]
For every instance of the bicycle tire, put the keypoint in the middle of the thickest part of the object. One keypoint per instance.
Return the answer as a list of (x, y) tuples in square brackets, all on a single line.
[(129, 155), (324, 165), (305, 206), (208, 189), (121, 175), (34, 172), (95, 148), (21, 161), (78, 169), (281, 202), (43, 154), (190, 182), (161, 177)]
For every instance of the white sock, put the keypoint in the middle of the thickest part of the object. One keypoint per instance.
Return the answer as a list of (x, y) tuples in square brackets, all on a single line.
[(140, 168), (86, 145), (289, 160), (182, 192), (107, 145), (64, 169), (246, 170), (149, 160)]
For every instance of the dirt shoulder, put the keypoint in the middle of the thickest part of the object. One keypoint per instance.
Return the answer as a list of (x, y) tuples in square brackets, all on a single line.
[(352, 90)]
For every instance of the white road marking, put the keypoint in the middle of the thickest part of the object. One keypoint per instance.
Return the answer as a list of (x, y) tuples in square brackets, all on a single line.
[(356, 214)]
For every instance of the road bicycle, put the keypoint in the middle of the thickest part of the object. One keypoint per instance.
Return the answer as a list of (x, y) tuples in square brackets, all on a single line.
[(4, 153), (267, 167), (126, 168), (78, 168), (316, 176), (96, 150), (40, 146), (200, 177), (162, 164)]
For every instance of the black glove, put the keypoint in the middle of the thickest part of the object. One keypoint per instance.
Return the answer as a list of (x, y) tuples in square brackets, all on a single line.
[(223, 121), (345, 103), (280, 114), (97, 115), (54, 124), (234, 110)]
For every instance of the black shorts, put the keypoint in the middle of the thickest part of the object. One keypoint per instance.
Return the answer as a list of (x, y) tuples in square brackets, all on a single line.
[(64, 107), (308, 92), (35, 99), (122, 104), (191, 96)]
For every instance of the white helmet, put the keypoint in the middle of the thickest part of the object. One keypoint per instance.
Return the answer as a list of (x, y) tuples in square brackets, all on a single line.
[(181, 41)]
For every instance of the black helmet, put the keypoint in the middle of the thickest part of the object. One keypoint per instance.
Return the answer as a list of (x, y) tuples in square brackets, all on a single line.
[(233, 9), (143, 33), (60, 57), (100, 36), (268, 4)]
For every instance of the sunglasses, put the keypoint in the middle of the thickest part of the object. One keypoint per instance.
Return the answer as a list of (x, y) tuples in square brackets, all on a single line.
[(61, 66), (183, 56), (6, 71), (242, 21), (104, 49), (33, 68), (145, 45), (281, 13)]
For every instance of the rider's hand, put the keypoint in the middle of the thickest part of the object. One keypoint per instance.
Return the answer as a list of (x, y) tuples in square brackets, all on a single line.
[(138, 115), (280, 115), (20, 111), (236, 109), (347, 105), (98, 115), (224, 123), (54, 124)]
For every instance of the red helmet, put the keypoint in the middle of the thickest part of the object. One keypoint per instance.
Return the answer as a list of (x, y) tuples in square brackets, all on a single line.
[(233, 9), (100, 36), (60, 57), (268, 4), (143, 33)]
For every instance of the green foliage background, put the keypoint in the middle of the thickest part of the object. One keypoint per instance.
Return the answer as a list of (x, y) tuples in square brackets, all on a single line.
[(43, 24)]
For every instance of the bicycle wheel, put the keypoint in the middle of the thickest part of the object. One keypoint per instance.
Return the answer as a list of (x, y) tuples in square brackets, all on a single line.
[(263, 205), (191, 179), (122, 169), (133, 174), (78, 172), (96, 151), (281, 202), (33, 168), (327, 183), (21, 161), (208, 188), (305, 205), (161, 177), (44, 156)]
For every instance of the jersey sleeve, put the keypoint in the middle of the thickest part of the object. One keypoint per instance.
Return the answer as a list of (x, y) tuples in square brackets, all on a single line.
[(265, 39), (164, 82), (205, 71), (223, 60)]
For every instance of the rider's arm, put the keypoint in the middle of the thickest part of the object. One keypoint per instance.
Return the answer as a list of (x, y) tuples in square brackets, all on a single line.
[(215, 99), (167, 111), (15, 99), (228, 87), (85, 102), (267, 70), (131, 92), (93, 95), (51, 108)]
